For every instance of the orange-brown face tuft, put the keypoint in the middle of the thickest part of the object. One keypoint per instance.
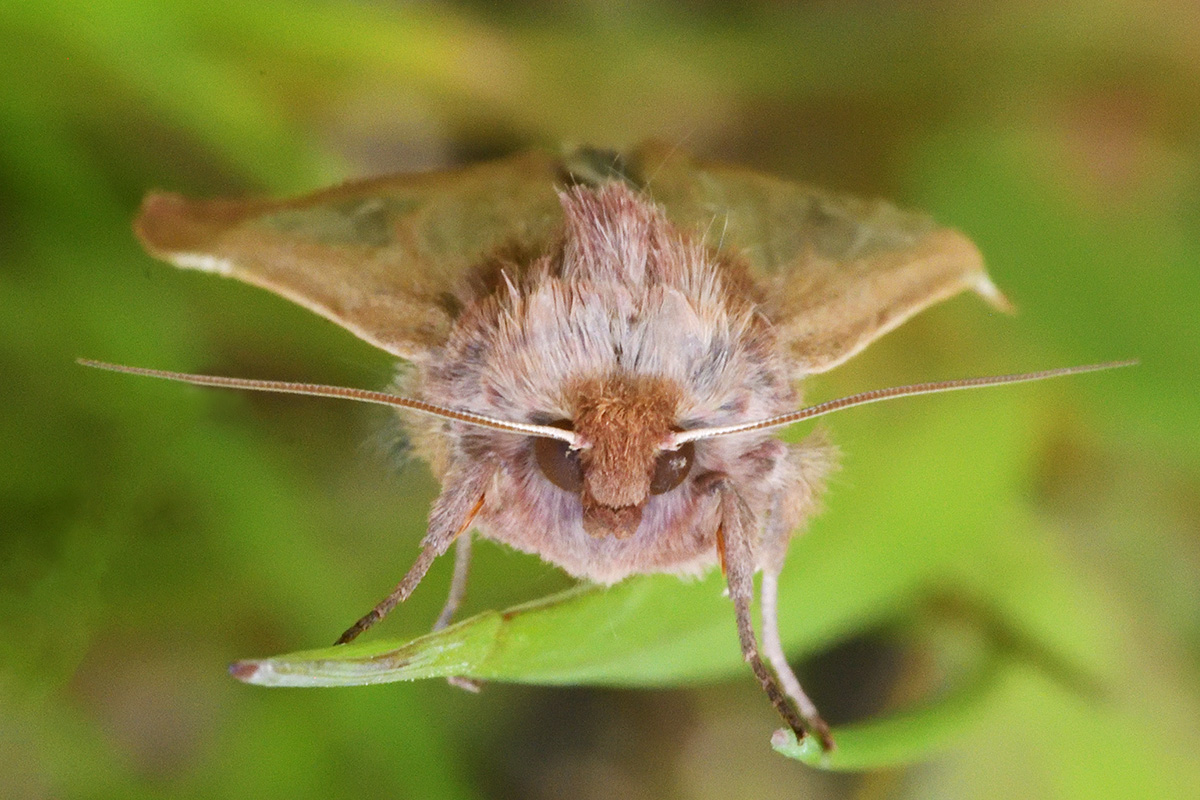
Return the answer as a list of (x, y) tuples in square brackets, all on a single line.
[(624, 419)]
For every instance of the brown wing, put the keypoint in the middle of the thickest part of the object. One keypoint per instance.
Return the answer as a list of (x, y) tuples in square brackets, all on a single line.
[(380, 258), (839, 271)]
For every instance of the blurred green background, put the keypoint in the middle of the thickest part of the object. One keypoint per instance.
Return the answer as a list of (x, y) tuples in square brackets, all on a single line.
[(152, 533)]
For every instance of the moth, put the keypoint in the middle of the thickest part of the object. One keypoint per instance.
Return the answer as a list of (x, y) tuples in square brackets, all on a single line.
[(600, 347)]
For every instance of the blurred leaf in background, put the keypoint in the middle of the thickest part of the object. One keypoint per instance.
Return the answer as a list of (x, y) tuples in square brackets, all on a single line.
[(150, 534)]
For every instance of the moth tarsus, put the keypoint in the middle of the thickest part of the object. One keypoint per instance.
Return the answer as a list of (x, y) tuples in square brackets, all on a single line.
[(593, 379)]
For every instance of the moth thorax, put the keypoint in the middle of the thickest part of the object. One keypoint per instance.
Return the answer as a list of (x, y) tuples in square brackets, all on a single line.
[(613, 232)]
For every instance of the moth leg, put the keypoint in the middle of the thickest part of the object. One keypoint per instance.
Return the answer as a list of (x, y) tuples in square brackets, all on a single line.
[(736, 553), (773, 648), (458, 583), (458, 590), (808, 462), (452, 515)]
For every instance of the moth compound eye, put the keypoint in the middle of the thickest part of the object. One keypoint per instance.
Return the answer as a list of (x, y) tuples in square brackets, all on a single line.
[(558, 462), (671, 468)]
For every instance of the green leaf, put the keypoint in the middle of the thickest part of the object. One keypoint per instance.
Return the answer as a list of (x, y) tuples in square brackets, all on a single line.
[(575, 637), (640, 632)]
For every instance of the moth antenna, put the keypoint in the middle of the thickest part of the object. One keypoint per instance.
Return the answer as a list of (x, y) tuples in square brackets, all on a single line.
[(344, 393), (876, 395)]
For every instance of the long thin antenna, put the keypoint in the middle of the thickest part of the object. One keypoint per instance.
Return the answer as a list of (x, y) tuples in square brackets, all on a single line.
[(876, 395), (344, 393)]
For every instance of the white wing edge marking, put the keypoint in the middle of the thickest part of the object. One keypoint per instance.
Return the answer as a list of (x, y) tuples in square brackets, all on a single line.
[(204, 263)]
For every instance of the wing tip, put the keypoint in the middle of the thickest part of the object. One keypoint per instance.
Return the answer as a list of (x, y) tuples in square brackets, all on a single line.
[(159, 222), (183, 231), (978, 280), (990, 292)]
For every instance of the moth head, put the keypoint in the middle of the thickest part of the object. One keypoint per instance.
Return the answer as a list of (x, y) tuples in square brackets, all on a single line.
[(623, 422)]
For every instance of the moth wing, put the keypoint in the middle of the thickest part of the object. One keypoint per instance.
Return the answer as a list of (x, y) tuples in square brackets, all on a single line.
[(838, 271), (381, 258)]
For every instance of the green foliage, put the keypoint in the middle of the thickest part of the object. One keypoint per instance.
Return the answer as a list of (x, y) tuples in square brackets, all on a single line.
[(1031, 552)]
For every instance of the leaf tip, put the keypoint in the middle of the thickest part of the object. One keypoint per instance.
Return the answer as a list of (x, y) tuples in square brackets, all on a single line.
[(246, 671), (807, 749), (782, 738)]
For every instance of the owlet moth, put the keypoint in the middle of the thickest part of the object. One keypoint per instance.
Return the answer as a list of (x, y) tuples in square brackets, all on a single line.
[(601, 345)]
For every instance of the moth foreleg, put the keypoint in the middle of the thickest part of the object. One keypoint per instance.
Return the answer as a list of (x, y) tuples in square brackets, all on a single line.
[(452, 515)]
